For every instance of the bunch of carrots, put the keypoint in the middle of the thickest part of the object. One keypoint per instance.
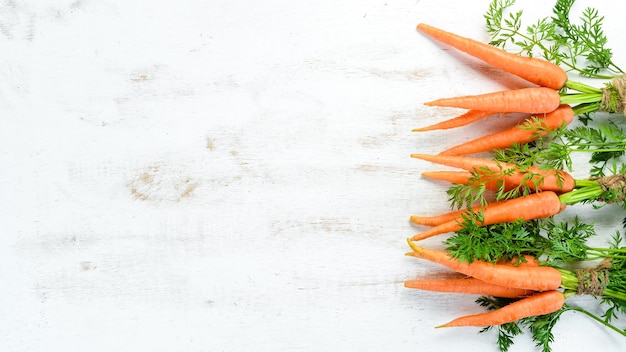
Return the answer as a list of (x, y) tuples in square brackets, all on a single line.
[(554, 102)]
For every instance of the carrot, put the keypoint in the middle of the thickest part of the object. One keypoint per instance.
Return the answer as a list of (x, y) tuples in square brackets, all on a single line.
[(529, 100), (457, 177), (467, 285), (533, 206), (525, 132), (539, 304), (462, 120), (453, 216), (461, 177), (527, 277), (509, 174), (436, 220), (535, 70)]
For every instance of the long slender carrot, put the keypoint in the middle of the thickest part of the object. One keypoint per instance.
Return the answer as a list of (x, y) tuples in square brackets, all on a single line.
[(467, 285), (462, 120), (530, 100), (453, 216), (539, 304), (535, 70), (509, 174), (437, 220), (462, 177), (533, 206), (527, 131), (457, 177), (536, 278)]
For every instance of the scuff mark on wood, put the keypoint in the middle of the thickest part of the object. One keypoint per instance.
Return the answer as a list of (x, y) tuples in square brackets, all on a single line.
[(154, 184), (334, 225), (210, 144), (415, 75)]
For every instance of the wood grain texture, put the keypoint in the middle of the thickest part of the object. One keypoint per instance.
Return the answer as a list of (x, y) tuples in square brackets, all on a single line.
[(229, 176)]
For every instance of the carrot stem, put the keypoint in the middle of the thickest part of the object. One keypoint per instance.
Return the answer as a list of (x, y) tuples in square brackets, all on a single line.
[(581, 194), (581, 87), (586, 108), (569, 281), (580, 98), (598, 319), (584, 183)]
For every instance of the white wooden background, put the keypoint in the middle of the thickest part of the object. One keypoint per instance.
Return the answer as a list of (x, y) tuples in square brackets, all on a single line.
[(233, 175)]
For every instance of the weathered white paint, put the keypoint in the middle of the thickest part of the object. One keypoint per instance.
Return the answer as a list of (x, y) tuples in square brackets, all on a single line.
[(231, 175)]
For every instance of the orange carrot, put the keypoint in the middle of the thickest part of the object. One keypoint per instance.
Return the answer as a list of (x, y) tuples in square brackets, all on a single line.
[(509, 174), (467, 285), (535, 70), (533, 206), (539, 304), (462, 120), (462, 177), (531, 100), (527, 277), (437, 220), (457, 177), (524, 132), (453, 216)]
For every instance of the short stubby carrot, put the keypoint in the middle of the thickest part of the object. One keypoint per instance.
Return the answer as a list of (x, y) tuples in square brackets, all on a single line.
[(524, 100), (533, 206), (525, 132), (504, 174), (462, 120), (538, 304), (467, 285), (535, 70), (527, 277)]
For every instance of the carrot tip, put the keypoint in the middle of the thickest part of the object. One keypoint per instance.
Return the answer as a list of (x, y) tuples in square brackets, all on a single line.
[(416, 249), (417, 237)]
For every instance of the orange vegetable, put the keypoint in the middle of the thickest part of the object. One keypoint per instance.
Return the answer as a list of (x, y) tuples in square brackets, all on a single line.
[(533, 206), (460, 177), (465, 119), (440, 219), (527, 277), (524, 132), (535, 70), (539, 304), (467, 285), (509, 174), (530, 100)]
